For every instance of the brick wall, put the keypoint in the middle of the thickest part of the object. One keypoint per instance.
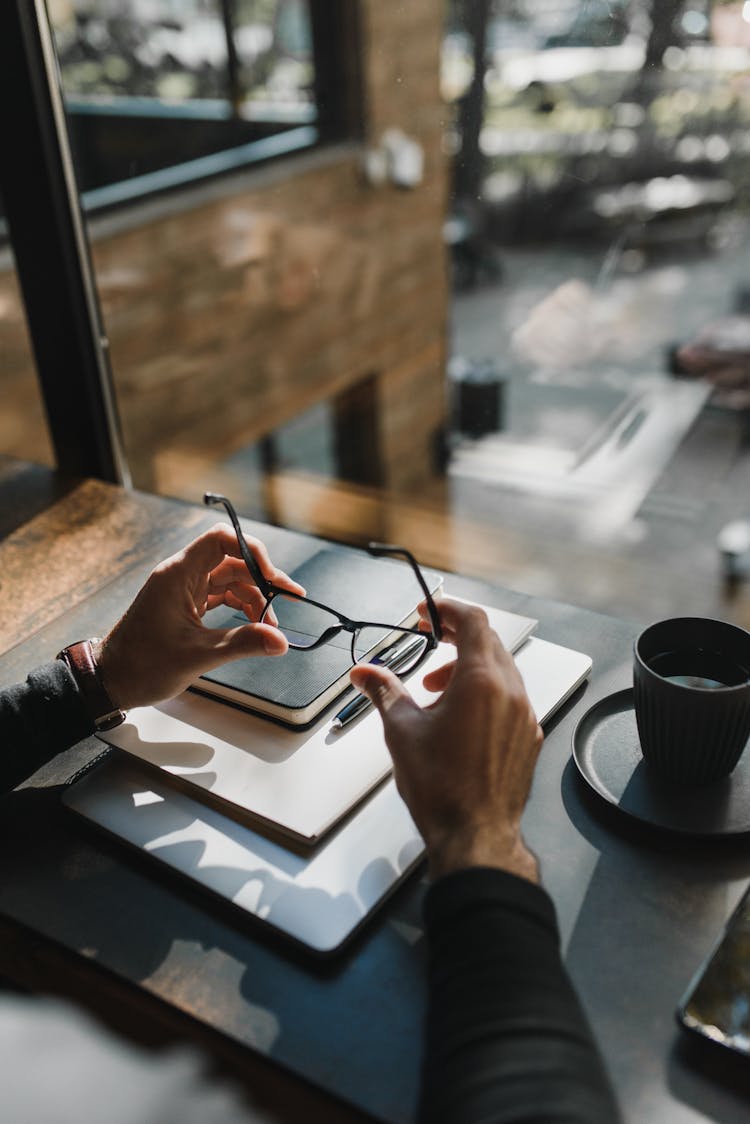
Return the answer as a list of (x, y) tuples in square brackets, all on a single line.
[(234, 306)]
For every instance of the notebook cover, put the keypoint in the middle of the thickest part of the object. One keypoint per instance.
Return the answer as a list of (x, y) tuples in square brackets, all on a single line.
[(357, 585)]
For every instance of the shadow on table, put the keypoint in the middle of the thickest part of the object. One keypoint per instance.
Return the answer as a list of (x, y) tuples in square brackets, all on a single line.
[(340, 1022), (653, 907)]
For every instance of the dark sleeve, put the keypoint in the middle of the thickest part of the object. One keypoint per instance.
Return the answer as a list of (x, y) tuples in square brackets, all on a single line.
[(38, 719), (506, 1038)]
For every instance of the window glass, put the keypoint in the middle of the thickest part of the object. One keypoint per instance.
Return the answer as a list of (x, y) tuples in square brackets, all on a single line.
[(598, 224), (274, 47), (465, 334), (23, 425), (156, 89), (179, 52)]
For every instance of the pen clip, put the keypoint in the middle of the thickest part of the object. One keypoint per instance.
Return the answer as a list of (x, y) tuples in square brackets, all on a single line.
[(392, 653), (361, 702)]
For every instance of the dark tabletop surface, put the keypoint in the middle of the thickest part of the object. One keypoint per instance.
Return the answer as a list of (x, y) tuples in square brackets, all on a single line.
[(638, 909)]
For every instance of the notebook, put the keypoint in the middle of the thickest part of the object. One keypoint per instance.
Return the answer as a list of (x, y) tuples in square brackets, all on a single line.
[(297, 687), (291, 783), (318, 899)]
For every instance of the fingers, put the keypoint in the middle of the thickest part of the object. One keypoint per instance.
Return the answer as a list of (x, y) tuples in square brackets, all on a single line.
[(729, 376), (468, 628), (248, 640), (701, 358), (454, 615), (247, 599), (382, 687), (230, 584), (270, 572), (733, 399), (211, 548), (696, 359), (270, 617), (228, 571), (439, 679), (217, 553)]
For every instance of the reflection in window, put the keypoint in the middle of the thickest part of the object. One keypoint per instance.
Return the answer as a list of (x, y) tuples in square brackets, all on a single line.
[(282, 338), (178, 51), (598, 220), (23, 427), (152, 85)]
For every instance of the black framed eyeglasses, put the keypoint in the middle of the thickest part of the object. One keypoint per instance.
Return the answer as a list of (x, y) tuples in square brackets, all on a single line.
[(309, 624)]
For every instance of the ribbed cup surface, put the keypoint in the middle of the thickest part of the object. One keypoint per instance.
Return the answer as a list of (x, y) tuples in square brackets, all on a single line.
[(688, 741), (691, 735)]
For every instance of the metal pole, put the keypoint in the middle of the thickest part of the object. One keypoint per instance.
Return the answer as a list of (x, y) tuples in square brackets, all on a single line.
[(42, 208), (234, 90)]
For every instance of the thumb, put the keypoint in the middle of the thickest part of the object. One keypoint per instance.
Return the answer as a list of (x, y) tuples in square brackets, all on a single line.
[(438, 679), (381, 686), (250, 640)]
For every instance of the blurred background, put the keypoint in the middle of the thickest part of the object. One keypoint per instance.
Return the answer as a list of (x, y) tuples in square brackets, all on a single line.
[(418, 272)]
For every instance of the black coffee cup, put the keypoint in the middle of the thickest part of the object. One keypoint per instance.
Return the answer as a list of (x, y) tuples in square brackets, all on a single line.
[(691, 679)]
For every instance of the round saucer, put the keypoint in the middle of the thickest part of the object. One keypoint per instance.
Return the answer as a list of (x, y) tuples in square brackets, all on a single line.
[(607, 752)]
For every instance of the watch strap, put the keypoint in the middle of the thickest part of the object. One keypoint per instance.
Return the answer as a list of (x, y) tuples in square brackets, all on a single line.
[(82, 663)]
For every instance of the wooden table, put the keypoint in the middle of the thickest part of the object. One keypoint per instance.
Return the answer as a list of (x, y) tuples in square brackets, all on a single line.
[(82, 917)]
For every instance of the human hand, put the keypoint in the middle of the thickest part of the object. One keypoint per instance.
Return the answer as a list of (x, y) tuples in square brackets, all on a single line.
[(160, 644), (464, 764), (720, 353)]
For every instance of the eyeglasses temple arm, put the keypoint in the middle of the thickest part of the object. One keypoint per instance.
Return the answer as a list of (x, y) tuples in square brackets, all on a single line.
[(211, 498), (379, 548)]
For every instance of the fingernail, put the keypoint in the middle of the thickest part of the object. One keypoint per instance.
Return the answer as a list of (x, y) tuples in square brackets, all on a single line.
[(359, 683), (274, 643)]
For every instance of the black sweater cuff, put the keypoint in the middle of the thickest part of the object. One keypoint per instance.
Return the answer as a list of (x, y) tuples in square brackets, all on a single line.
[(40, 718), (478, 887)]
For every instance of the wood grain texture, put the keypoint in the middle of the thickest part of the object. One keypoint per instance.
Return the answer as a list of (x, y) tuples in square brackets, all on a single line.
[(26, 489), (78, 536)]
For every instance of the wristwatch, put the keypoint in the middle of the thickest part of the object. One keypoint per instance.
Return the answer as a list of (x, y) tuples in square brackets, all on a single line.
[(80, 659)]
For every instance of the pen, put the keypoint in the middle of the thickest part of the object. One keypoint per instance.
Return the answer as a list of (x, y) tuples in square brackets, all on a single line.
[(393, 658)]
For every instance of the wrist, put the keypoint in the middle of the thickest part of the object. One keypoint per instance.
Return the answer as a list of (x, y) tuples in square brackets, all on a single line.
[(81, 660), (486, 847), (106, 663)]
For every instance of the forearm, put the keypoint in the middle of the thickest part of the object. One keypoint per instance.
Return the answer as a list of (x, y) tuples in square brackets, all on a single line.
[(38, 719), (506, 1038)]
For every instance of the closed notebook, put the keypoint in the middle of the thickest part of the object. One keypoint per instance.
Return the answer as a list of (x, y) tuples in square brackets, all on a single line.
[(297, 687)]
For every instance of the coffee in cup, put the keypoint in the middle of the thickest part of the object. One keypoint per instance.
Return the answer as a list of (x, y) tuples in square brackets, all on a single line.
[(691, 680)]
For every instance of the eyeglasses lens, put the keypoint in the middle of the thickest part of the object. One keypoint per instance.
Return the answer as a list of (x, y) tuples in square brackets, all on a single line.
[(303, 624), (402, 651)]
